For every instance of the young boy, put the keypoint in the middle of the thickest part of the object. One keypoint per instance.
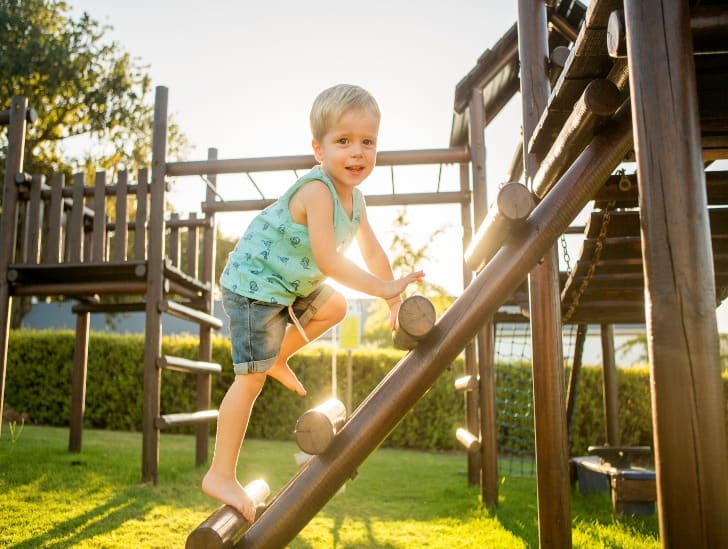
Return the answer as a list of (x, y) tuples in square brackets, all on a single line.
[(276, 272)]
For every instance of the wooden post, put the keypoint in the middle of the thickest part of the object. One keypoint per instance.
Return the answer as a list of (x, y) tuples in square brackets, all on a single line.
[(574, 375), (472, 418), (611, 393), (688, 406), (204, 381), (78, 381), (488, 417), (476, 110), (154, 295), (17, 115), (552, 464)]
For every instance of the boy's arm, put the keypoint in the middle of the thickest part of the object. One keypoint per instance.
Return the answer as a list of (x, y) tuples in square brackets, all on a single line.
[(319, 213), (377, 261)]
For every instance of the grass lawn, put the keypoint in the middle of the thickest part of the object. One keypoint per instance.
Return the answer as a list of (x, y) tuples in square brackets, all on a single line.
[(400, 499)]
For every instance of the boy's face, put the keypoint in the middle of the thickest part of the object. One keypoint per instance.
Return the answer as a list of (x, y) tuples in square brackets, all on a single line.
[(348, 150)]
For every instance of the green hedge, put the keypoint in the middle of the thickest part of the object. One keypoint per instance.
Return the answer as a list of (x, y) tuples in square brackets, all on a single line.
[(38, 381)]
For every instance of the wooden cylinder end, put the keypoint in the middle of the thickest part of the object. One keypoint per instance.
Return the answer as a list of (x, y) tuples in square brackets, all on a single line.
[(515, 202), (314, 432)]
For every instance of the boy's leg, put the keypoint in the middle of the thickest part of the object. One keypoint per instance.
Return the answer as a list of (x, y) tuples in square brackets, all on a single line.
[(330, 313), (220, 481)]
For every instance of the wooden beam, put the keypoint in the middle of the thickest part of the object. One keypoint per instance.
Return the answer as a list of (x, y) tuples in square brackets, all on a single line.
[(454, 155), (552, 459), (687, 393), (599, 101)]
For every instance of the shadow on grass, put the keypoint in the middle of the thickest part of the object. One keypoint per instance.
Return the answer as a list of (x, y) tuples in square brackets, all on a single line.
[(518, 511), (371, 541), (103, 518)]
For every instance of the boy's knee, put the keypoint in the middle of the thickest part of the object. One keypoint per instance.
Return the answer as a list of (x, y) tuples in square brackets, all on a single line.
[(336, 307)]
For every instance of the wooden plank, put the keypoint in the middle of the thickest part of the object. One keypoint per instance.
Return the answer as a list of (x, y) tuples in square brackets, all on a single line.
[(120, 224), (54, 238), (33, 222), (98, 235), (192, 248), (174, 249), (74, 234), (140, 232)]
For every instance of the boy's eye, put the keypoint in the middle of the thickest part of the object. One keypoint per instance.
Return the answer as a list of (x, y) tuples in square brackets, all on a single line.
[(343, 140), (369, 142)]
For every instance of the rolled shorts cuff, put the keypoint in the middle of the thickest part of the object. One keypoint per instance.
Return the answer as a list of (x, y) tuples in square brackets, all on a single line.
[(255, 367), (305, 309)]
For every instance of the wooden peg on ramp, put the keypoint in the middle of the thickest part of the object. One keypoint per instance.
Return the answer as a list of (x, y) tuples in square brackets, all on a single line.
[(226, 525), (415, 319), (316, 428)]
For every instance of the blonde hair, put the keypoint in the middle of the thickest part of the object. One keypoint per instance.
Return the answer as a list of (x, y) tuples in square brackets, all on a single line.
[(333, 102)]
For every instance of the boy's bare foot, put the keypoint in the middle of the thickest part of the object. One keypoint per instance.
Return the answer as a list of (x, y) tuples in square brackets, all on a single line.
[(230, 493), (285, 375)]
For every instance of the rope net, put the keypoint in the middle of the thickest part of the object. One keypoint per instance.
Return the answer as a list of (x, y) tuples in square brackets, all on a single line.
[(514, 395)]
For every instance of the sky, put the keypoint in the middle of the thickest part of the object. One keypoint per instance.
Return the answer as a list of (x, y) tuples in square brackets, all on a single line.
[(242, 77)]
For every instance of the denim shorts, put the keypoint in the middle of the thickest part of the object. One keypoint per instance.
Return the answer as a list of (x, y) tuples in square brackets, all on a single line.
[(257, 328)]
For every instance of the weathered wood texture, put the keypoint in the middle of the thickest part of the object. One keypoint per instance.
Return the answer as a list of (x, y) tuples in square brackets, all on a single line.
[(552, 465), (687, 394), (415, 318), (16, 118), (317, 427), (225, 527)]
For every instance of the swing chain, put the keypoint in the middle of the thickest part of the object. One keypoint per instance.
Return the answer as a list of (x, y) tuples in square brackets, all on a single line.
[(567, 257), (598, 247)]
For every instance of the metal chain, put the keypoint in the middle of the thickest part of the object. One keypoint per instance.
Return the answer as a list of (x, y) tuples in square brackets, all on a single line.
[(606, 218), (567, 257)]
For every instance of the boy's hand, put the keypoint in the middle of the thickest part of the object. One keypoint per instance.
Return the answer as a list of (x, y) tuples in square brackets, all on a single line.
[(394, 289)]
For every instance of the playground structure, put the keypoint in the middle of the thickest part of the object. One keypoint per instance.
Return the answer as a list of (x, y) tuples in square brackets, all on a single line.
[(646, 85)]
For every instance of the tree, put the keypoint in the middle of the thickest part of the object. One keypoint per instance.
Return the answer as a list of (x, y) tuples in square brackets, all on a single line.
[(405, 259), (81, 85)]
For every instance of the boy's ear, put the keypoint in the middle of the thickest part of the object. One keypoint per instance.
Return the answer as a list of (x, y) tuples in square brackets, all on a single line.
[(316, 150)]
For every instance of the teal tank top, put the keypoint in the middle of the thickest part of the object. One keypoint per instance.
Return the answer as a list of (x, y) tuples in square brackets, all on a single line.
[(273, 261)]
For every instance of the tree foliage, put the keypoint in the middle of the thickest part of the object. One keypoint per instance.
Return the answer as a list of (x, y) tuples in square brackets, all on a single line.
[(82, 85)]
